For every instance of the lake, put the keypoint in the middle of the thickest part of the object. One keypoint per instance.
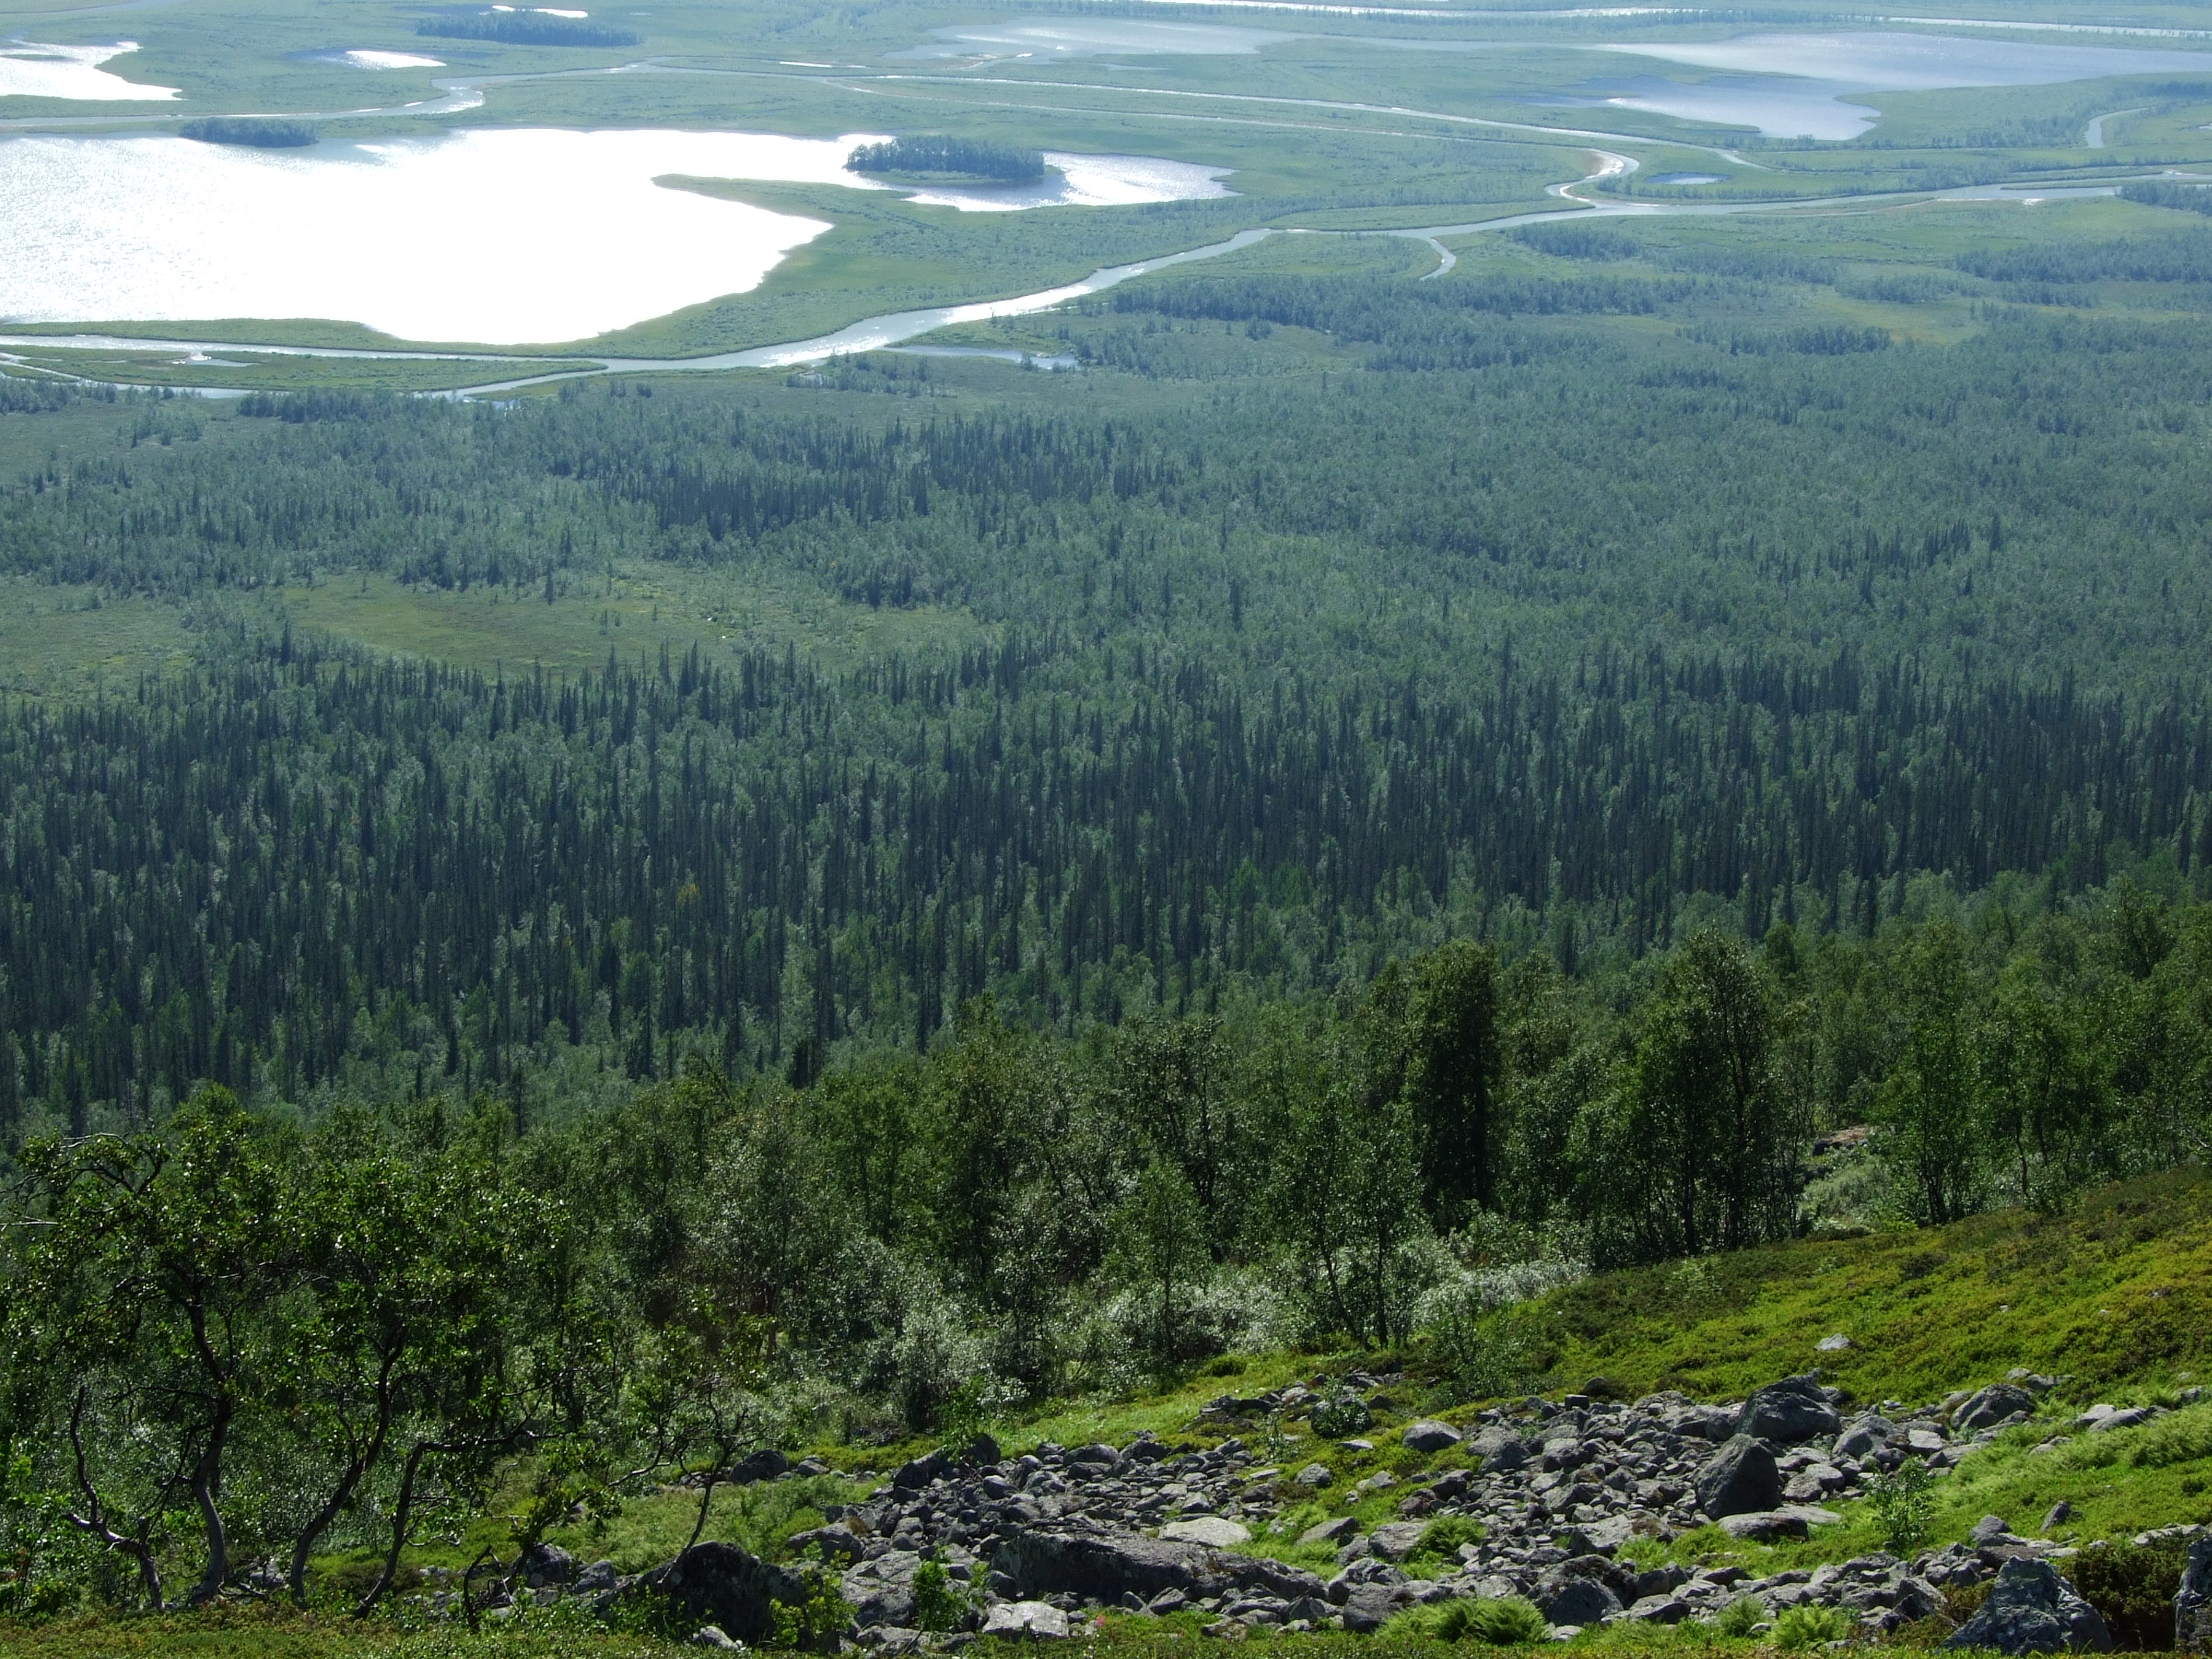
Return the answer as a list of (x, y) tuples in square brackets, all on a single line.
[(1803, 85), (30, 70), (501, 236)]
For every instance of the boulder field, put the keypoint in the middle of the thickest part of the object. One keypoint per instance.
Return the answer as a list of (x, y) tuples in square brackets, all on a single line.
[(1548, 1491)]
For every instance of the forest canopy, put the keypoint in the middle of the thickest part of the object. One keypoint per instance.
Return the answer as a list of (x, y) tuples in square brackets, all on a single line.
[(969, 158)]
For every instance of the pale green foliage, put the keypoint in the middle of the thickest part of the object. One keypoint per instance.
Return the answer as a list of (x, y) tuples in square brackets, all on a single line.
[(1904, 1505), (1502, 1621), (1740, 1616), (1810, 1626), (939, 1604)]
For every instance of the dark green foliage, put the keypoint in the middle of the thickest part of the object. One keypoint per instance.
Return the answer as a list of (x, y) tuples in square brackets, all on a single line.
[(1504, 1622), (2134, 1587), (2175, 256), (2158, 193), (258, 132), (524, 28), (972, 158), (1573, 241)]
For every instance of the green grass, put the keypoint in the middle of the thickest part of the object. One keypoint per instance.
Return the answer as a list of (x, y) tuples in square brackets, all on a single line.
[(262, 1632), (69, 641), (2115, 1293)]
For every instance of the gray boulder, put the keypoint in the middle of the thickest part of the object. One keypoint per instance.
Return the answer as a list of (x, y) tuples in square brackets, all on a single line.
[(1502, 1449), (1789, 1412), (1737, 1480), (1025, 1618), (763, 1465), (2192, 1604), (545, 1565), (1864, 1434), (2031, 1609), (920, 1471), (1429, 1435), (723, 1585), (1366, 1606), (1394, 1540), (1580, 1601), (1104, 1566), (1990, 1408), (980, 1452)]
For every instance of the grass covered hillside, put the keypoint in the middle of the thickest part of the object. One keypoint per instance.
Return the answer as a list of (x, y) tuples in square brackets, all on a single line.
[(2114, 1293)]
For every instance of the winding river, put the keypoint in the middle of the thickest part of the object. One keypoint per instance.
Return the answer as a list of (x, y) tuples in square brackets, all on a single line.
[(894, 329)]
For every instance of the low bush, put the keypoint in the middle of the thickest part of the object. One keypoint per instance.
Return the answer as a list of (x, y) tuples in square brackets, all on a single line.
[(2133, 1587)]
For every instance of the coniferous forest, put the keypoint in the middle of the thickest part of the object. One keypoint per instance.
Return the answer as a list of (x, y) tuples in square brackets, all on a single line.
[(1377, 799)]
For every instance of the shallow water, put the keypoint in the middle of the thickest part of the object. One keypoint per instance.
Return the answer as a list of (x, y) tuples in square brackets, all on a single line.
[(30, 70), (1800, 85), (375, 57), (1088, 37), (498, 235), (1087, 181)]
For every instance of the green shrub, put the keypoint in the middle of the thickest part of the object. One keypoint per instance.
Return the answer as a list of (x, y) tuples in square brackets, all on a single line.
[(1443, 1537), (939, 1604), (1346, 1413), (1740, 1616), (2134, 1589), (1504, 1622), (813, 1623), (1811, 1627), (1903, 1506)]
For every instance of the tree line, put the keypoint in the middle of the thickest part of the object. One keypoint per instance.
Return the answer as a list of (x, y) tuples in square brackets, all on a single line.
[(238, 1343)]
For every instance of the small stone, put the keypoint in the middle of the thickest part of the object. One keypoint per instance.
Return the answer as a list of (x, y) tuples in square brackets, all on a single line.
[(714, 1636), (1836, 1344), (1429, 1435), (1990, 1529), (2057, 1515), (1316, 1475)]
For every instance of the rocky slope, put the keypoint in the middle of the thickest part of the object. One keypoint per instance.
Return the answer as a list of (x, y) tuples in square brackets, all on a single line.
[(1547, 1493)]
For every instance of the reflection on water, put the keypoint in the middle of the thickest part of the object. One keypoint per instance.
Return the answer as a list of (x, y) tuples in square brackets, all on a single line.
[(373, 57), (1800, 85), (1086, 181), (499, 235), (1088, 37), (30, 70), (1782, 106), (1686, 179)]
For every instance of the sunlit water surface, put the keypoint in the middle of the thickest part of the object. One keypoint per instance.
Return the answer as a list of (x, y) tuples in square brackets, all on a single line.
[(30, 70), (501, 236), (1803, 85)]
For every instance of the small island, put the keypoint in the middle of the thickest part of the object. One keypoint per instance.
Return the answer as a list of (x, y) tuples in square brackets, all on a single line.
[(256, 131), (934, 155)]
